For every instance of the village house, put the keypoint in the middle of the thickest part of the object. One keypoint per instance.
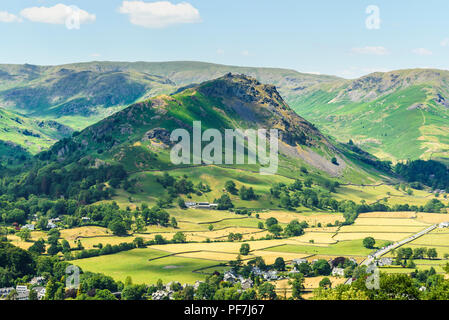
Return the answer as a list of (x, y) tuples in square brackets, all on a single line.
[(37, 280), (299, 261), (385, 262), (338, 272), (5, 291), (22, 292), (247, 284), (201, 205), (443, 225), (28, 226)]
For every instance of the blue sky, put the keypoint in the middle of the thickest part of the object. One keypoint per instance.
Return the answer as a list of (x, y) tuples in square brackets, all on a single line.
[(319, 36)]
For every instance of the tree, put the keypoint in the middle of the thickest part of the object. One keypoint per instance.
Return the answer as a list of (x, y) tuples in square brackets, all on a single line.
[(181, 203), (271, 221), (179, 237), (432, 253), (134, 292), (267, 291), (276, 230), (139, 242), (321, 268), (369, 242), (225, 203), (174, 222), (38, 247), (325, 283), (118, 227), (24, 234), (294, 229), (244, 249), (279, 264), (297, 283)]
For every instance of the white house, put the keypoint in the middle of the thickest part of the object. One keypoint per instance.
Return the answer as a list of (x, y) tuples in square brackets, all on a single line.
[(299, 261), (443, 225), (338, 272), (247, 284), (28, 226), (201, 205)]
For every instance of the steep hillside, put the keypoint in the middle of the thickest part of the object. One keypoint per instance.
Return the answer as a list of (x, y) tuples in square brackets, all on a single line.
[(138, 136), (33, 135), (395, 115), (79, 95)]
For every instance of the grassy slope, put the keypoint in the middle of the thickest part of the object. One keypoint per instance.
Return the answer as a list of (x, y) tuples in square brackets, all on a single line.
[(404, 122)]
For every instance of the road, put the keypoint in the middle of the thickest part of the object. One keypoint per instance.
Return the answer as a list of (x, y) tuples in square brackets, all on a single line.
[(379, 253)]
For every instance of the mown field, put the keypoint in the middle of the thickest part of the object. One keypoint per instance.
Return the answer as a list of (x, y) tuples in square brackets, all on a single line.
[(182, 261)]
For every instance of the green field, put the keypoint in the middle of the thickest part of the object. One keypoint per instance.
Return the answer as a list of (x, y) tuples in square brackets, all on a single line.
[(343, 248), (136, 264)]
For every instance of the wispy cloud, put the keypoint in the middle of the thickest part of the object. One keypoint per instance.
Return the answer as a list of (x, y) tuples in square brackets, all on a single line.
[(422, 52), (378, 51), (245, 53), (58, 14), (445, 42), (9, 17), (159, 14)]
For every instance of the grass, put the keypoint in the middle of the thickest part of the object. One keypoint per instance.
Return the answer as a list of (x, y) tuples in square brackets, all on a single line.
[(349, 248)]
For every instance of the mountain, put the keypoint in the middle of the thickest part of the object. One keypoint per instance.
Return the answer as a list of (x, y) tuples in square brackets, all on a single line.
[(33, 135), (78, 95), (394, 115), (138, 136)]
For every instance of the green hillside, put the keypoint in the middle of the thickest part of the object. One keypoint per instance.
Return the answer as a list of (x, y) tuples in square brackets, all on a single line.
[(79, 95), (33, 135), (138, 136)]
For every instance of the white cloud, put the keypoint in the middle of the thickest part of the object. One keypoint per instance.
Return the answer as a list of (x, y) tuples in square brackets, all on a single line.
[(422, 52), (220, 52), (8, 17), (245, 53), (58, 14), (159, 14), (378, 51), (445, 42)]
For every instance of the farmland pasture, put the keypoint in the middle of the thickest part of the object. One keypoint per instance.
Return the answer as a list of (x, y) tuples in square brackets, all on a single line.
[(136, 264)]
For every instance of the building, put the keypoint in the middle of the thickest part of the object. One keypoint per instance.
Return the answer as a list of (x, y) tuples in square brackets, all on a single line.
[(37, 280), (51, 225), (299, 261), (443, 225), (40, 292), (385, 262), (247, 284), (28, 226), (22, 292), (5, 291), (201, 205)]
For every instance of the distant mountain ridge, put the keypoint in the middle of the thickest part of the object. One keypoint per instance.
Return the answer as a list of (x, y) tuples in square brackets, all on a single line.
[(138, 136), (395, 115)]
